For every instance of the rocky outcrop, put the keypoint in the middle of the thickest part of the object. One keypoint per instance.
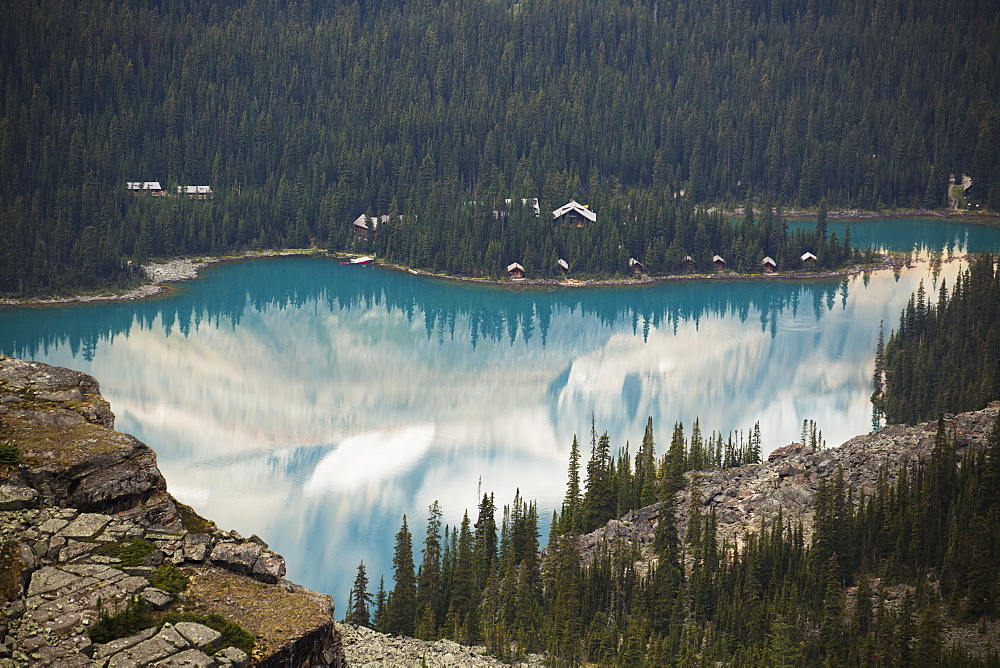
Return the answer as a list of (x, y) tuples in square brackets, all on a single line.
[(747, 498), (85, 522), (366, 648), (70, 456)]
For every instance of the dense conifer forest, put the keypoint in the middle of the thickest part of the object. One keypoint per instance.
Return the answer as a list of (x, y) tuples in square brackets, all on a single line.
[(779, 599), (944, 357), (303, 115)]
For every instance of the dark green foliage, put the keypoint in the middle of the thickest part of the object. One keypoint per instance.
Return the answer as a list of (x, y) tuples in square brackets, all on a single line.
[(169, 578), (131, 619), (946, 357), (928, 528), (600, 499), (359, 600), (645, 468), (430, 613), (380, 605), (9, 454), (401, 604), (570, 520)]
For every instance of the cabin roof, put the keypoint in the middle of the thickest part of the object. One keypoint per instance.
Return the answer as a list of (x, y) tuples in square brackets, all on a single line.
[(195, 190), (718, 258), (562, 263), (573, 205), (769, 261), (514, 265), (808, 256), (143, 185)]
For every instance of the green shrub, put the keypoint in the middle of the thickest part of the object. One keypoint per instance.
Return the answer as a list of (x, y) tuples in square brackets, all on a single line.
[(132, 553), (9, 454), (169, 578), (131, 619)]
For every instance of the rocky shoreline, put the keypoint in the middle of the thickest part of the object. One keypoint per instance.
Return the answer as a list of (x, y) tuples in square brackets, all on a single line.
[(973, 217), (162, 272), (366, 648), (887, 262)]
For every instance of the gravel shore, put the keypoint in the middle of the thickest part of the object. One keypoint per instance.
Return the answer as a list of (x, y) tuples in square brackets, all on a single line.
[(366, 648), (159, 273), (162, 272)]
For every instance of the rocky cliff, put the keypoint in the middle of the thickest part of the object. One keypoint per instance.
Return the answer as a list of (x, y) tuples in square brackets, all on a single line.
[(748, 497), (87, 528)]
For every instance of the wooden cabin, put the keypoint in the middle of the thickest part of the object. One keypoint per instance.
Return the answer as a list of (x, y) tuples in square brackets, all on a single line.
[(151, 188), (636, 266), (718, 262), (195, 192), (769, 265), (687, 263), (573, 214), (364, 223), (563, 265), (808, 260), (515, 271)]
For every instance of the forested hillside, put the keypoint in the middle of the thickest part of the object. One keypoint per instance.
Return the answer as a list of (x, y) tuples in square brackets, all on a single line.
[(887, 569), (303, 115), (945, 356)]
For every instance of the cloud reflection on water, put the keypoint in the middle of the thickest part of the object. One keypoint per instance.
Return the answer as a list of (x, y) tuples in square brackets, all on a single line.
[(314, 405)]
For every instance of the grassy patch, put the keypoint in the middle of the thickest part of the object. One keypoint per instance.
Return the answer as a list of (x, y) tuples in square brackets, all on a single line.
[(63, 445), (169, 578), (192, 521), (272, 615), (132, 553)]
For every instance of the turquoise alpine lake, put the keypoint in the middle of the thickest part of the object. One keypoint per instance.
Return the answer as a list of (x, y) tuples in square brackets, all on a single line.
[(315, 404)]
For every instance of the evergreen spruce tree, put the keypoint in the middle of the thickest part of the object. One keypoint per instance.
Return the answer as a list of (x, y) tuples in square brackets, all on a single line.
[(570, 519), (359, 600), (429, 578), (485, 542), (378, 618), (401, 606), (600, 498), (463, 594), (645, 468), (674, 465)]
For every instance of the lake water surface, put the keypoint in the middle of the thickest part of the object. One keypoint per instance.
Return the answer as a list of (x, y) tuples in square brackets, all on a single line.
[(314, 404)]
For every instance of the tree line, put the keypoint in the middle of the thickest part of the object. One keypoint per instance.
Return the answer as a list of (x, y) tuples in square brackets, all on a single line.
[(303, 114), (666, 237), (927, 533), (944, 356)]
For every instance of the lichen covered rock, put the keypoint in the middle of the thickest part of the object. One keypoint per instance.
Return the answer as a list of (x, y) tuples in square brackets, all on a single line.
[(85, 519)]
